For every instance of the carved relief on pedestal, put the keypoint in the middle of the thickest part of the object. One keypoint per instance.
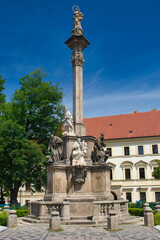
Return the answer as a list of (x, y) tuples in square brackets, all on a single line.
[(68, 124), (78, 153), (79, 173)]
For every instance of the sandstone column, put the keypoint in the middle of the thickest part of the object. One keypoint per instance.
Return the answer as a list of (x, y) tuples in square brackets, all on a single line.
[(77, 42)]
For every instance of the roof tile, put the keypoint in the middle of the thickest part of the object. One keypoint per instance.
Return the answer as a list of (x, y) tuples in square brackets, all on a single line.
[(124, 126)]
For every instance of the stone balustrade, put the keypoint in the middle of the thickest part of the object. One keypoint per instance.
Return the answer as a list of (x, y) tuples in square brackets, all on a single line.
[(102, 208), (43, 210)]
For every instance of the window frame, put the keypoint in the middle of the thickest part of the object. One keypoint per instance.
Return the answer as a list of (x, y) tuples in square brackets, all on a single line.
[(153, 145), (141, 197), (110, 151), (126, 148), (129, 197), (140, 173), (126, 169), (142, 148)]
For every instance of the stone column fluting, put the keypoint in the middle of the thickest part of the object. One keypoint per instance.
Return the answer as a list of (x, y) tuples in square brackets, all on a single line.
[(77, 42)]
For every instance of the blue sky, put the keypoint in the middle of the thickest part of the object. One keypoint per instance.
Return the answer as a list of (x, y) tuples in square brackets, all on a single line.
[(122, 64)]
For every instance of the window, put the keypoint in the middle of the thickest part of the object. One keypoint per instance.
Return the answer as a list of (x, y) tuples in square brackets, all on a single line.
[(129, 196), (143, 196), (109, 151), (126, 151), (111, 175), (140, 150), (127, 174), (157, 196), (27, 203), (155, 149), (141, 173)]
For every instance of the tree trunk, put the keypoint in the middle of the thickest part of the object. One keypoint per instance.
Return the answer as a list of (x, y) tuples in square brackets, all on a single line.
[(13, 195), (2, 201)]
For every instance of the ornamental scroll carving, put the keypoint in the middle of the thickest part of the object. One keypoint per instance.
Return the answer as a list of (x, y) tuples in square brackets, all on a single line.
[(77, 58)]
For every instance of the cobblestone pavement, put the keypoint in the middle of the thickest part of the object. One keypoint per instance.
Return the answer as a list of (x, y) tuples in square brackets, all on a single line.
[(37, 232)]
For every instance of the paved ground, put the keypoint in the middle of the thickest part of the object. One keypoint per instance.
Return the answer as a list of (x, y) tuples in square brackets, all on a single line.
[(37, 232)]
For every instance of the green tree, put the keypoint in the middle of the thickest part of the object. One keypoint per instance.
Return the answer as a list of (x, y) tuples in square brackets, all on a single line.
[(22, 159), (156, 173), (34, 112), (2, 95), (37, 106)]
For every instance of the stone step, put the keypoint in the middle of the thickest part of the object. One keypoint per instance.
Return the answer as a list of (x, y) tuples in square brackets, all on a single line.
[(81, 218), (33, 220), (80, 222), (129, 221)]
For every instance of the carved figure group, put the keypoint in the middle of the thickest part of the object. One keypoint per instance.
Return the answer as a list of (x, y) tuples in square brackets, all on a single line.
[(78, 152), (100, 152), (56, 148), (68, 124)]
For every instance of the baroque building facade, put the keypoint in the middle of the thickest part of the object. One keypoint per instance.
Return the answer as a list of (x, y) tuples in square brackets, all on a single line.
[(133, 142)]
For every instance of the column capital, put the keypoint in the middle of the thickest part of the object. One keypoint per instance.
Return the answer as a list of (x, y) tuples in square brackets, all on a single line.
[(77, 59)]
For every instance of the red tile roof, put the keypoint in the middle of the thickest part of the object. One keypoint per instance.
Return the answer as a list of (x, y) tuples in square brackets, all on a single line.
[(124, 126)]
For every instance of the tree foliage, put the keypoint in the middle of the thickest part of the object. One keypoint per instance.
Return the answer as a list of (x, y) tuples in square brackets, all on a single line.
[(21, 157), (34, 112), (37, 106), (2, 95), (156, 173)]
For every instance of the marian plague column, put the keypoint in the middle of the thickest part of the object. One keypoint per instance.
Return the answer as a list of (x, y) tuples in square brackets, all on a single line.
[(77, 42)]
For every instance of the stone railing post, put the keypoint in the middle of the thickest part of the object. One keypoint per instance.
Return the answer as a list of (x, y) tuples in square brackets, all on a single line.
[(65, 211), (12, 219), (55, 222), (157, 209), (30, 208), (96, 212), (148, 217), (6, 209), (42, 210), (145, 205), (112, 220)]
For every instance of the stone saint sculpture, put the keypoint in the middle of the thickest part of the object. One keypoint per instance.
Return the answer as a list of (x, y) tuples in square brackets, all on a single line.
[(100, 152), (77, 18), (78, 153), (68, 124), (56, 148)]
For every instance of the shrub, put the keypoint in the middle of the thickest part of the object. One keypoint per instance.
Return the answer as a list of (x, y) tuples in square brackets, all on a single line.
[(136, 211), (3, 219), (157, 219), (132, 205), (22, 213)]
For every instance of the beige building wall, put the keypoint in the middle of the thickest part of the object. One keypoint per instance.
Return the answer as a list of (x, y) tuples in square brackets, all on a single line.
[(135, 162)]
